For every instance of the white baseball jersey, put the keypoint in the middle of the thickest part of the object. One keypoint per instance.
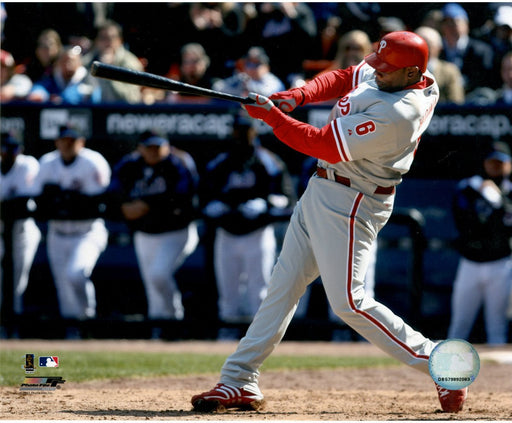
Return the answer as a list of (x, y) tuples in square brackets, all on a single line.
[(377, 132), (89, 174), (20, 178)]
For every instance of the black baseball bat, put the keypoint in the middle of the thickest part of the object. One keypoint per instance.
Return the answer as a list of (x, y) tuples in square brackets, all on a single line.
[(130, 76)]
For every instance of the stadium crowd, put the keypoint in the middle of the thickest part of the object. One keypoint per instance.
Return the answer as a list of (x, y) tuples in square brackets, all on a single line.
[(47, 51), (299, 41)]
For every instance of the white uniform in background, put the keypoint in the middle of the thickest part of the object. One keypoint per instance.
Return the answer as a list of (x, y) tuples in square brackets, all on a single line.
[(74, 242), (17, 182)]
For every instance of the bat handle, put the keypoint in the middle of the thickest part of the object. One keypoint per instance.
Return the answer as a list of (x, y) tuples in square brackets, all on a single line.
[(247, 100)]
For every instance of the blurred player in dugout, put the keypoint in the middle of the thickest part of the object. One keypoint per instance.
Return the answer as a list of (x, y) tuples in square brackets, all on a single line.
[(154, 189), (482, 210), (245, 190), (68, 191), (20, 234)]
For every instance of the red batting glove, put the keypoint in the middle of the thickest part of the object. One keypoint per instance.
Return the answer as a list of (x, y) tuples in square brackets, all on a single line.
[(287, 101), (260, 108)]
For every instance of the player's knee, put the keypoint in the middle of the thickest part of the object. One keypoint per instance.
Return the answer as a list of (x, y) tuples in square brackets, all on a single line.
[(342, 312), (160, 280), (344, 308), (76, 278)]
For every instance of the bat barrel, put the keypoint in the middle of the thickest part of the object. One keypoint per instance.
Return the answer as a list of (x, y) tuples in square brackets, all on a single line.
[(130, 76)]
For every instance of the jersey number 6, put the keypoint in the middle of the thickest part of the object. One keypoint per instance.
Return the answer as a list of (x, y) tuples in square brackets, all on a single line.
[(365, 128)]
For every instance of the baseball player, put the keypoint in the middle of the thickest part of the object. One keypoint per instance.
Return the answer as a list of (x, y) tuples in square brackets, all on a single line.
[(482, 210), (156, 192), (246, 190), (69, 186), (18, 172), (384, 105)]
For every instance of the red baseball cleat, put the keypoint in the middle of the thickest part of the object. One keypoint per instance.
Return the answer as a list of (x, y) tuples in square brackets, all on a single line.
[(451, 401), (224, 396)]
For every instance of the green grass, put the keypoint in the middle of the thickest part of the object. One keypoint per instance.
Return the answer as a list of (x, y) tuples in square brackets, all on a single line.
[(85, 366)]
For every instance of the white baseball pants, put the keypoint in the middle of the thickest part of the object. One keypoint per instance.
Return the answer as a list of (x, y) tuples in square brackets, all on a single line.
[(481, 284), (25, 240), (72, 259), (159, 256), (26, 237), (243, 265), (330, 233)]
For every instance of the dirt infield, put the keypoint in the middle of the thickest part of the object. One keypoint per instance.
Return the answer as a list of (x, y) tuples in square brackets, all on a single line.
[(392, 394)]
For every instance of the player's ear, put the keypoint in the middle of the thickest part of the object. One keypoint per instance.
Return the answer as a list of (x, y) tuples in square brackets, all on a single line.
[(413, 72)]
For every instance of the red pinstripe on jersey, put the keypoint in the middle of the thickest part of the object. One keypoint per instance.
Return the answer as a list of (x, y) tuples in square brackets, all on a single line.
[(350, 268), (357, 74), (337, 131), (338, 137)]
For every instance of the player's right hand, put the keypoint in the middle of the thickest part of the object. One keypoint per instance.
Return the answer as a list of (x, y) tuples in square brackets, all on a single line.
[(287, 101)]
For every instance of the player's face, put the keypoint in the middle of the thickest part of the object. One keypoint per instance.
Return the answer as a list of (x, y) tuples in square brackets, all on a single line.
[(153, 154), (69, 147), (392, 81), (497, 169)]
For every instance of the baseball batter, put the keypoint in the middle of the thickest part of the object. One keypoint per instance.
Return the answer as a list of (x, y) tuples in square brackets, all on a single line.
[(18, 172), (385, 104), (68, 188)]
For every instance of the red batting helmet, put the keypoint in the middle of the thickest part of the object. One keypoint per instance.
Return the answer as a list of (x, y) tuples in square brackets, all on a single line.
[(397, 50)]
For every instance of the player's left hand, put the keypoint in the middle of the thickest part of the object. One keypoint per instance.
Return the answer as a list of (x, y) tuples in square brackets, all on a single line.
[(260, 108), (287, 101)]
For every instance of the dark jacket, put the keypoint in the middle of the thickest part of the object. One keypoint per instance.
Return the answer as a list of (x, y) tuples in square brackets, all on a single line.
[(168, 188), (484, 229), (239, 176)]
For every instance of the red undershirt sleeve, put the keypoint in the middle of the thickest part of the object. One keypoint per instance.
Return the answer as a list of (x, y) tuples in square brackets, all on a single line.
[(304, 138), (328, 85)]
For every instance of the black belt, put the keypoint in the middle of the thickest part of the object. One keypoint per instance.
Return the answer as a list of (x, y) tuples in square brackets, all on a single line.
[(320, 171)]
